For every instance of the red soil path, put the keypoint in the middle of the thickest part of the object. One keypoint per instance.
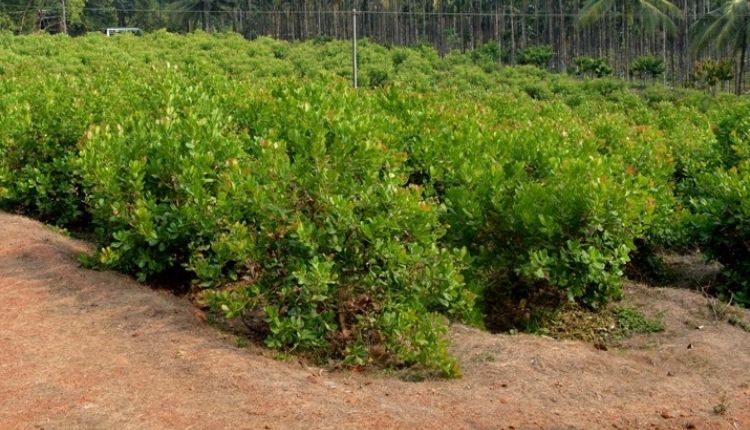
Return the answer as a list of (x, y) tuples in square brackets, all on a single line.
[(96, 350)]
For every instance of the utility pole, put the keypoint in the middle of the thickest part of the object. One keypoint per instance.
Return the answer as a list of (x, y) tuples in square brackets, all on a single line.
[(64, 19), (354, 48)]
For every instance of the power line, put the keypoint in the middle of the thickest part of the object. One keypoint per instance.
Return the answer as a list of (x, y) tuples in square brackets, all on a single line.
[(336, 12)]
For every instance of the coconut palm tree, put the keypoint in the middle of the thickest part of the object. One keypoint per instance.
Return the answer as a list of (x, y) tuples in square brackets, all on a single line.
[(726, 26), (651, 13)]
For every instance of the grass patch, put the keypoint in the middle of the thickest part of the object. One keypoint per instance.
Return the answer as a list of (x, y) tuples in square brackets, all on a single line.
[(724, 311), (417, 374), (607, 326), (632, 320), (484, 357), (739, 322), (57, 229)]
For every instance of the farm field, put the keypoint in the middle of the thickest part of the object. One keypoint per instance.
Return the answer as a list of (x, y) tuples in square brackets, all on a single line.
[(362, 229), (85, 349)]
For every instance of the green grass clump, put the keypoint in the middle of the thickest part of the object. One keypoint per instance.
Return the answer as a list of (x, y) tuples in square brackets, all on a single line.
[(631, 320)]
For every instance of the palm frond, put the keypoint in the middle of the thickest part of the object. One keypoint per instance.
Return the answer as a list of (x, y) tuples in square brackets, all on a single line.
[(594, 11), (653, 17), (664, 6), (729, 24)]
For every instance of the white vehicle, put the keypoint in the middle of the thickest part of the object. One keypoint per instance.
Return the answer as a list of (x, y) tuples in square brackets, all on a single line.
[(118, 30)]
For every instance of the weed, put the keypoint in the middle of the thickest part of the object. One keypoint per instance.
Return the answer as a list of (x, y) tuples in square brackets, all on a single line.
[(58, 229), (720, 310), (721, 407), (738, 322), (632, 320), (417, 374), (604, 327), (697, 362), (724, 311), (485, 357)]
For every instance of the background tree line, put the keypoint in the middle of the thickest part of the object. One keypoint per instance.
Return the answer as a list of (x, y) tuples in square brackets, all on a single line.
[(676, 37)]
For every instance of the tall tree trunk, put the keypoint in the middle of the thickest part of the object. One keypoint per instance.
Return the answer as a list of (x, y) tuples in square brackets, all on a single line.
[(512, 35), (463, 34), (524, 10), (424, 24), (664, 52), (206, 17), (413, 22), (472, 25), (319, 20), (741, 67), (306, 20), (23, 18), (64, 18), (479, 33), (536, 21), (498, 35), (685, 70), (398, 23), (441, 31), (336, 19), (563, 56), (626, 39)]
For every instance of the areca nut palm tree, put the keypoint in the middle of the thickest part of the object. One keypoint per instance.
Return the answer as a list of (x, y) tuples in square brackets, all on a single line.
[(726, 26), (651, 13)]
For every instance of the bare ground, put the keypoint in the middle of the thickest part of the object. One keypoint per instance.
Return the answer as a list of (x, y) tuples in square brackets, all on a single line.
[(96, 350)]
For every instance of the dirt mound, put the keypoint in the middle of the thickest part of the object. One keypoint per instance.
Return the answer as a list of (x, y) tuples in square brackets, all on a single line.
[(85, 349)]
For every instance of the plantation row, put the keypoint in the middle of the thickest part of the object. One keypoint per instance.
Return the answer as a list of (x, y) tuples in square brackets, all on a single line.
[(355, 222)]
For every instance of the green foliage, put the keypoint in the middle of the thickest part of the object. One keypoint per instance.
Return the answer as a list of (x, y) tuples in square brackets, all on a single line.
[(377, 77), (631, 320), (539, 55), (399, 57), (722, 211), (605, 86), (733, 136), (709, 73), (537, 91), (540, 207), (609, 326), (725, 27), (490, 51), (6, 23), (39, 129), (720, 202), (353, 224), (488, 56), (647, 67), (597, 67), (316, 233)]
